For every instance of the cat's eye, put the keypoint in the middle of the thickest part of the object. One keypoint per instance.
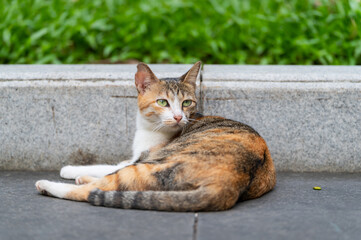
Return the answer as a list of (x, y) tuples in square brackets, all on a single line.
[(186, 103), (162, 102)]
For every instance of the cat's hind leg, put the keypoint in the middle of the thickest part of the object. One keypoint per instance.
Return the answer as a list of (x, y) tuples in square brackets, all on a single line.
[(75, 192), (136, 177)]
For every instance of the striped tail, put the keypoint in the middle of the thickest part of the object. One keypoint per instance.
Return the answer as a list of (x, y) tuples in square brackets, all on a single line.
[(180, 201)]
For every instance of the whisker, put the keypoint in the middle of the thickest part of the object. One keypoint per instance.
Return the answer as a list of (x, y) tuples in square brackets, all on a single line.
[(158, 127), (162, 126)]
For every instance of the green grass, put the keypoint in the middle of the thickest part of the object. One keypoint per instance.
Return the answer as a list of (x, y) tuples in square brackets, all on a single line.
[(175, 31)]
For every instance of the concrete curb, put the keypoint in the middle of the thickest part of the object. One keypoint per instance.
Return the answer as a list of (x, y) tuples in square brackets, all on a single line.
[(53, 115)]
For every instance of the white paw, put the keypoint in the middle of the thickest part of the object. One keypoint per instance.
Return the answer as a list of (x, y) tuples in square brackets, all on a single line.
[(68, 172), (54, 189), (78, 180), (43, 186)]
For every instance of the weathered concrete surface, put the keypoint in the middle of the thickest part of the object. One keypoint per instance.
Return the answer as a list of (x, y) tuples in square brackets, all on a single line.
[(310, 116), (283, 73), (54, 115), (48, 124), (293, 210), (26, 215), (87, 72)]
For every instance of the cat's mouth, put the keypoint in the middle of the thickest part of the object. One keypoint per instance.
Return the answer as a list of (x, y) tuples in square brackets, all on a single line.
[(173, 125)]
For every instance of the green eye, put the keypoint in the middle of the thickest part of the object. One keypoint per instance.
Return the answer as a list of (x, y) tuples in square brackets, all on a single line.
[(187, 103), (163, 102)]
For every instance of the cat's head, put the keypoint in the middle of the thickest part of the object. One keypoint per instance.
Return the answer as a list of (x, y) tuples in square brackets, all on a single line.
[(166, 103)]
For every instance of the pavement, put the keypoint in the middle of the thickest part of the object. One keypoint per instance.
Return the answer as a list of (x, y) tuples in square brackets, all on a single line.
[(293, 210)]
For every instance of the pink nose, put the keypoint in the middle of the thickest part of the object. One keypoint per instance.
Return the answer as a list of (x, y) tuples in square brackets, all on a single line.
[(177, 118)]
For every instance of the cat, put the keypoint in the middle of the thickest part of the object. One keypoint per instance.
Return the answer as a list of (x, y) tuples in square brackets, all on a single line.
[(151, 129), (191, 163)]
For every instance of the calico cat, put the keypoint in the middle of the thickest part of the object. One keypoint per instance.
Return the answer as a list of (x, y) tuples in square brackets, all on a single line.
[(181, 161), (154, 126)]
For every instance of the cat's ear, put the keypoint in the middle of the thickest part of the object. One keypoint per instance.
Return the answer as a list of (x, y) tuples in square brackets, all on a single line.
[(144, 78), (191, 76)]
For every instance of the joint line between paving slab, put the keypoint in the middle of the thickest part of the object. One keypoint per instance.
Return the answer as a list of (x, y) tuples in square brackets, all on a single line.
[(195, 226)]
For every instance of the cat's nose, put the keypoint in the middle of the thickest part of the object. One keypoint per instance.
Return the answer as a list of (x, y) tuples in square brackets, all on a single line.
[(177, 118)]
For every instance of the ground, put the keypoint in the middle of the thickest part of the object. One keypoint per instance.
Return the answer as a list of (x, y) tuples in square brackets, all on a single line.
[(293, 210)]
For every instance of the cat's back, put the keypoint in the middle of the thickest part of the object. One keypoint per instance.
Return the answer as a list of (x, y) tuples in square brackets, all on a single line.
[(216, 141), (223, 125), (217, 136), (227, 156)]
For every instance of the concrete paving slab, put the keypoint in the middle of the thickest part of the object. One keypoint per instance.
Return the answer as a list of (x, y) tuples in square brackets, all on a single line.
[(293, 210), (24, 214)]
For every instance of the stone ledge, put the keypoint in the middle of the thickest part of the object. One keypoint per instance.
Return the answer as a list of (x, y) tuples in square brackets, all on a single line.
[(282, 73), (87, 72), (53, 115)]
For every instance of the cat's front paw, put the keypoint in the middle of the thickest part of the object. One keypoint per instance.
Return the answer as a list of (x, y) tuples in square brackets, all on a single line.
[(42, 186), (68, 172), (84, 180)]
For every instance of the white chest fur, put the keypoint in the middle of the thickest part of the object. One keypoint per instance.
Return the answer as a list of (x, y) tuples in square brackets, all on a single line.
[(146, 138)]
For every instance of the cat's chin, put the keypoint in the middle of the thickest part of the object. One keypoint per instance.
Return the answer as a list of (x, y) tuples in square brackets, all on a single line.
[(174, 127)]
